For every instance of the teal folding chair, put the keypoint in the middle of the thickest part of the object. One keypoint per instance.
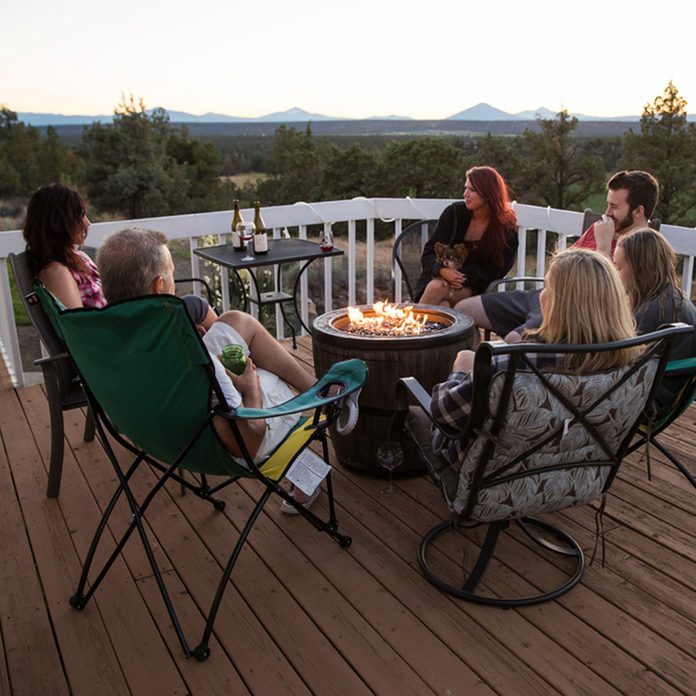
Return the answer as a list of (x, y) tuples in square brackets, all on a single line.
[(150, 382)]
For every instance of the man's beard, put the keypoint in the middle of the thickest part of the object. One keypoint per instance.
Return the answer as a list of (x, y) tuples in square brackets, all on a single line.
[(626, 223)]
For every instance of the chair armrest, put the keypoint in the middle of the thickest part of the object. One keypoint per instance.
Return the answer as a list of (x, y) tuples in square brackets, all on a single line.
[(415, 388), (675, 368), (51, 358), (347, 375), (517, 279)]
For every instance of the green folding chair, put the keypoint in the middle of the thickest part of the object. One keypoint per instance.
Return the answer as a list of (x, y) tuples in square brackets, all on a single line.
[(652, 427), (150, 382)]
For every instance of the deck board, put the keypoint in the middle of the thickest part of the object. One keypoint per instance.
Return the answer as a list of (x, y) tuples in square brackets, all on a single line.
[(305, 616)]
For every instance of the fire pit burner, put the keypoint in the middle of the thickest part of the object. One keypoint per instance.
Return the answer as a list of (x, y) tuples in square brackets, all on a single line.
[(390, 320), (389, 357)]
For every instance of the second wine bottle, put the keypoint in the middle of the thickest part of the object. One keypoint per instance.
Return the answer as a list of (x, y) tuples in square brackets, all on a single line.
[(260, 238)]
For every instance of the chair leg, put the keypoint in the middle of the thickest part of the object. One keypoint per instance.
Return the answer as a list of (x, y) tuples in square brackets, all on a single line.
[(89, 427), (467, 590), (55, 469), (689, 476), (201, 652)]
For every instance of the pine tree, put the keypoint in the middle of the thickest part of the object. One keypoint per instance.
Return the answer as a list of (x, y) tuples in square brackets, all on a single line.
[(666, 147)]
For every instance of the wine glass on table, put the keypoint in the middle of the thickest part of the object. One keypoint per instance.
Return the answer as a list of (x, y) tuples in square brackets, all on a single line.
[(390, 456), (246, 232)]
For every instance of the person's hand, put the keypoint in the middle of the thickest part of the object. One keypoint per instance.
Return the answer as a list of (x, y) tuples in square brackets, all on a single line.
[(454, 278), (248, 382), (513, 337), (202, 331), (604, 234), (464, 362)]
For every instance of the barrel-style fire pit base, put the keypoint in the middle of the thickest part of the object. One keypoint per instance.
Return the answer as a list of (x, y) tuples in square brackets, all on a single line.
[(428, 357)]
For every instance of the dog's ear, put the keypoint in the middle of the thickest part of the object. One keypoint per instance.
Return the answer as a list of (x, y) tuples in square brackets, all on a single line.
[(440, 249), (460, 250)]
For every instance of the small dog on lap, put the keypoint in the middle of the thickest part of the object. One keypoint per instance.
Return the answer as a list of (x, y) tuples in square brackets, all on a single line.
[(450, 257)]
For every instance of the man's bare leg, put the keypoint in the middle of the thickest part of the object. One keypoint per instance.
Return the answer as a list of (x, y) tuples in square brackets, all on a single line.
[(266, 352)]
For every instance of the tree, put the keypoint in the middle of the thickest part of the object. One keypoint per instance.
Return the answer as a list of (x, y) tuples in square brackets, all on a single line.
[(666, 147), (504, 155), (20, 147), (426, 167), (348, 173), (141, 166), (294, 166), (555, 169)]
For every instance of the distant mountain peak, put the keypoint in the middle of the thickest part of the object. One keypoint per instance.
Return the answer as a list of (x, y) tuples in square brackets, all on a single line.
[(480, 112)]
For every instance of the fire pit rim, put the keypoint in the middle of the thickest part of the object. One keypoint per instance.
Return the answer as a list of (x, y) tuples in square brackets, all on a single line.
[(460, 324)]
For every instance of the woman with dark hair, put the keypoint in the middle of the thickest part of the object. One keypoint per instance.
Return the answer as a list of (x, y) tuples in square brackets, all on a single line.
[(647, 267), (55, 226), (473, 244)]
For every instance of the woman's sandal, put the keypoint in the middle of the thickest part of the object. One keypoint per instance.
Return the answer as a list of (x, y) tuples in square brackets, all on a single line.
[(288, 509)]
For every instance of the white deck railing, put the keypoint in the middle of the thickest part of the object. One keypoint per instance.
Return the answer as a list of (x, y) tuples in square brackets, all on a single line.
[(563, 224)]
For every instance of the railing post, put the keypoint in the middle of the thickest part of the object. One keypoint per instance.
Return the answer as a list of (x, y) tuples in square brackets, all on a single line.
[(304, 286), (351, 262), (395, 270), (9, 341), (370, 262)]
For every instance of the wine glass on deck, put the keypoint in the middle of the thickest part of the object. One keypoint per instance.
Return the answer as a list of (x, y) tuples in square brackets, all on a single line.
[(246, 232), (390, 456)]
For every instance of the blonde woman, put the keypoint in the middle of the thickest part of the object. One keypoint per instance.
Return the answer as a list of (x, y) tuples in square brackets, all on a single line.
[(647, 267), (578, 282)]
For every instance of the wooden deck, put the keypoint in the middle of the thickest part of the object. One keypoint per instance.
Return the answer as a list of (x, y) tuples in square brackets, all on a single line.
[(305, 616)]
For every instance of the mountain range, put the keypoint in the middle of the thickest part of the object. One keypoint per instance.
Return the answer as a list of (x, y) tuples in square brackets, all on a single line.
[(479, 112)]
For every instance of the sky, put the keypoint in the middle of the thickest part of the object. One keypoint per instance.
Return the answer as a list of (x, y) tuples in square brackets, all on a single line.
[(353, 58)]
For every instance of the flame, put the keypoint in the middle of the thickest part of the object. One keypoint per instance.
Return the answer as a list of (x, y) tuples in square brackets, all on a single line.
[(388, 319)]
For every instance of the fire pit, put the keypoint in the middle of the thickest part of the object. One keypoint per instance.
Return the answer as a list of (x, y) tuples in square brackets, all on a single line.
[(424, 346)]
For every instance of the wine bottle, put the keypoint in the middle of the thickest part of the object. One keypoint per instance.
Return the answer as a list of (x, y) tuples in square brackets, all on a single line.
[(260, 237), (237, 243)]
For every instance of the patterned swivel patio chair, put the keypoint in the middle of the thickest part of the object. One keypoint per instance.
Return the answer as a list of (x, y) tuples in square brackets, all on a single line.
[(151, 386), (537, 441)]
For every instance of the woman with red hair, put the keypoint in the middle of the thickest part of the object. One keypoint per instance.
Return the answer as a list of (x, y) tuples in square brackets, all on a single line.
[(473, 243)]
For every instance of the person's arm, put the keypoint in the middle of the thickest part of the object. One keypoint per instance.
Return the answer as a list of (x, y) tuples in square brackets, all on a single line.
[(451, 400), (442, 233), (58, 279), (252, 431)]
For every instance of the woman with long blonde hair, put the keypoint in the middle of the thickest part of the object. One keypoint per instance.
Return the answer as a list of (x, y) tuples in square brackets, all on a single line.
[(583, 302)]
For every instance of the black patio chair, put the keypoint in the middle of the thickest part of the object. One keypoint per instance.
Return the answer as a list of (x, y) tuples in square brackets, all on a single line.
[(537, 441), (652, 426), (63, 388), (406, 254)]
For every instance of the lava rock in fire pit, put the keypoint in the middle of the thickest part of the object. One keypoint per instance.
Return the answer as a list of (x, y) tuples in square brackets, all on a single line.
[(388, 329)]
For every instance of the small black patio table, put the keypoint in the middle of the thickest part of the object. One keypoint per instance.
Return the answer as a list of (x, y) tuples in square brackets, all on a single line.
[(280, 252)]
